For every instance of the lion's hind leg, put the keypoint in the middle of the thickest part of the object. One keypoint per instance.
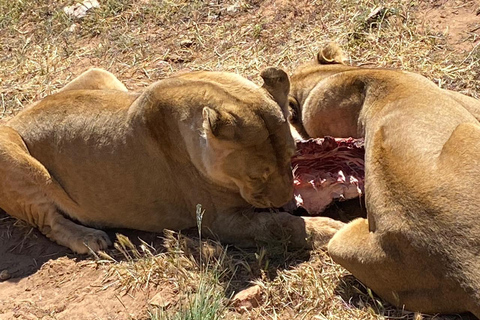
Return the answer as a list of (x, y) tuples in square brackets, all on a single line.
[(394, 269), (29, 193), (95, 79)]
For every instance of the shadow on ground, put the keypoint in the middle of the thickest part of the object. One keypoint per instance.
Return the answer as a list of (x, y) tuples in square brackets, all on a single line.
[(358, 296), (24, 250)]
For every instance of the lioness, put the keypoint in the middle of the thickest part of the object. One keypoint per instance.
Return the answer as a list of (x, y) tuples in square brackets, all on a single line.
[(106, 157), (419, 247)]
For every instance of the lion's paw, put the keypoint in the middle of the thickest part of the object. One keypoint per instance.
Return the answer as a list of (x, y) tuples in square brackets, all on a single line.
[(321, 229), (89, 240)]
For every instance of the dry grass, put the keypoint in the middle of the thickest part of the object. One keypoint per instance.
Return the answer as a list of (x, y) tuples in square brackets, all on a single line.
[(193, 273), (140, 41), (204, 275)]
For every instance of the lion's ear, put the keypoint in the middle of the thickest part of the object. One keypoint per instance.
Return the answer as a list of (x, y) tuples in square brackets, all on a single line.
[(331, 54), (276, 82), (218, 125)]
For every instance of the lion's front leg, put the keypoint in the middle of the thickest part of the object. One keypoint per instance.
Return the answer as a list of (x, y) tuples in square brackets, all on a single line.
[(253, 228), (29, 193)]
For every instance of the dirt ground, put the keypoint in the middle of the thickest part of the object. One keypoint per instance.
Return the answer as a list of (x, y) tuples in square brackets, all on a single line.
[(42, 280), (48, 281)]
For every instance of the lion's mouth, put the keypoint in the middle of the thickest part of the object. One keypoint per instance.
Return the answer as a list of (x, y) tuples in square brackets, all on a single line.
[(327, 170)]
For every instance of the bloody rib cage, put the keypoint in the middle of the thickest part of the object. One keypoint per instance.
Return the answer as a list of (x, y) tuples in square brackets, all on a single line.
[(327, 169)]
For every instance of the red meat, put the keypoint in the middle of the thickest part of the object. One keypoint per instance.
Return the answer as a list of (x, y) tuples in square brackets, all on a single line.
[(326, 170)]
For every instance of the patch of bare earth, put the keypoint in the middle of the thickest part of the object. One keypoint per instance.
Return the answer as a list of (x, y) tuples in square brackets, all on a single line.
[(459, 20), (65, 288), (42, 280), (176, 276)]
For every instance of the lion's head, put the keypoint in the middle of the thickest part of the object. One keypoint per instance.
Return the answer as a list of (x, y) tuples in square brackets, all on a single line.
[(246, 144), (254, 142), (329, 61)]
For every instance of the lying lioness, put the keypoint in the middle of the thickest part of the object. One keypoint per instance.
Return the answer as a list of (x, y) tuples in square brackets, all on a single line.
[(105, 157), (419, 247)]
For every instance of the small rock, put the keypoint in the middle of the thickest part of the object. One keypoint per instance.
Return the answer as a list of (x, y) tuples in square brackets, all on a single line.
[(186, 43), (4, 275), (72, 28), (79, 10), (162, 299), (248, 299), (233, 8)]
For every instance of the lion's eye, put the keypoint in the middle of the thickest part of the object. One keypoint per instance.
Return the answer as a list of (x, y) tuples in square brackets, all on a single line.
[(260, 176)]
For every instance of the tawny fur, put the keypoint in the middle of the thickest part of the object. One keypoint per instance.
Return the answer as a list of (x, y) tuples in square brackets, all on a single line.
[(419, 246), (106, 157)]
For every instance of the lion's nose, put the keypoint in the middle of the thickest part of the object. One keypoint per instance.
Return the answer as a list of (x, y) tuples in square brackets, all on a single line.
[(281, 195)]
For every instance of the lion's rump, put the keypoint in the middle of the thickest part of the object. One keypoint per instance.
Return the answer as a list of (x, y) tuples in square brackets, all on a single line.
[(326, 170)]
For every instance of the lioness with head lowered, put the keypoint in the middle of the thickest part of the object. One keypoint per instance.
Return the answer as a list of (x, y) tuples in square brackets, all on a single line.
[(105, 157), (419, 246)]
